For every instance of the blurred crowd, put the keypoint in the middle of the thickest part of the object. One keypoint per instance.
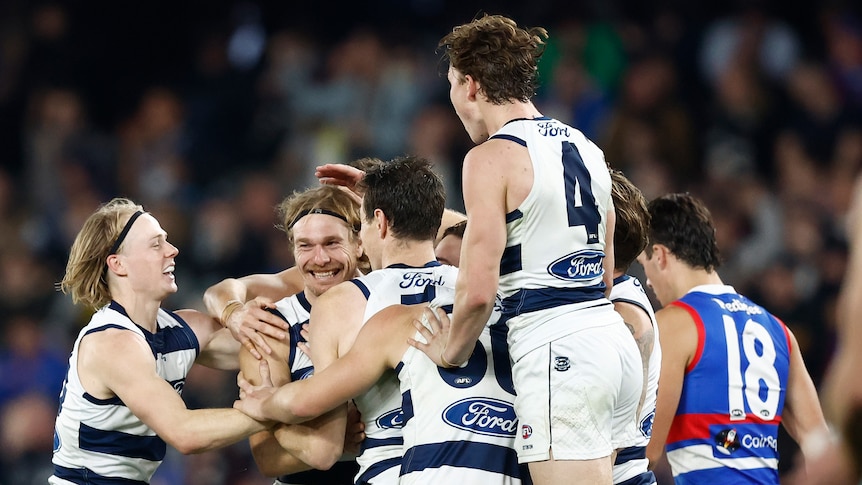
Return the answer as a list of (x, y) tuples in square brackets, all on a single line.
[(757, 112)]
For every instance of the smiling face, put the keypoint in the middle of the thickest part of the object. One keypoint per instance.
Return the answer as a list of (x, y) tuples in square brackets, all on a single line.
[(324, 252), (148, 259)]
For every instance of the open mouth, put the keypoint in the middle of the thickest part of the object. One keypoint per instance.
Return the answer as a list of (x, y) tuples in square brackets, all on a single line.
[(322, 275)]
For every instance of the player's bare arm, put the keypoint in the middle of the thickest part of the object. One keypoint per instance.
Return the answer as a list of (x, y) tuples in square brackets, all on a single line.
[(639, 323), (134, 380), (802, 415), (240, 305), (298, 448), (678, 338), (219, 350), (485, 191)]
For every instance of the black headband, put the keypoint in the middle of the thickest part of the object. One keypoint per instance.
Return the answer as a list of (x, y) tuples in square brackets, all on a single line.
[(319, 211), (124, 232)]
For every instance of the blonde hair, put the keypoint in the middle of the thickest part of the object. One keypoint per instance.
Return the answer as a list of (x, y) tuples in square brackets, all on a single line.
[(86, 270), (328, 198)]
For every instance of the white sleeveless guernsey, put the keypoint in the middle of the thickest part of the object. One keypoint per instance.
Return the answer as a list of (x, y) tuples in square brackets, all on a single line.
[(552, 263), (380, 407), (100, 440), (460, 424)]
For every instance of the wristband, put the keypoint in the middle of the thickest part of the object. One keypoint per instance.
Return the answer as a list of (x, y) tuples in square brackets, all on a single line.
[(229, 309), (446, 363)]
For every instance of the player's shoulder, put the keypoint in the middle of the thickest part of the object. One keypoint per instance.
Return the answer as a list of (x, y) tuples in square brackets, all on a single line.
[(342, 294), (674, 315)]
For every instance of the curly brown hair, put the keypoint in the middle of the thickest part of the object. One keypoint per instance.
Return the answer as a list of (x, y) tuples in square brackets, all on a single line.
[(501, 56)]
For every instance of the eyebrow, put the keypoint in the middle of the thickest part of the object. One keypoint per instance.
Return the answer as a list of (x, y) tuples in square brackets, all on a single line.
[(324, 239)]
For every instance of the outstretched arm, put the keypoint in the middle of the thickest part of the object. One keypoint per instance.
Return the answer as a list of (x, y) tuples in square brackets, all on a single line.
[(378, 347), (119, 363)]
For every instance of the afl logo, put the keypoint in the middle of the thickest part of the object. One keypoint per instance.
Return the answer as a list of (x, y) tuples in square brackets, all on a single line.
[(526, 431), (390, 420), (583, 265)]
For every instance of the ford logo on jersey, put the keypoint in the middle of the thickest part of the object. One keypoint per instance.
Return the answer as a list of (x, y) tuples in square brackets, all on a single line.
[(581, 265), (392, 419), (420, 280), (483, 416)]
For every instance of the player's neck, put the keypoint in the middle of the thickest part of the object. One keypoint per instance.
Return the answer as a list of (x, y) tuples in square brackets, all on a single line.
[(697, 277), (141, 310), (409, 252), (498, 115)]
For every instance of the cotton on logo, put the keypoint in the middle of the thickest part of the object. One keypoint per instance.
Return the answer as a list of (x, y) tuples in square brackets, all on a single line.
[(526, 431)]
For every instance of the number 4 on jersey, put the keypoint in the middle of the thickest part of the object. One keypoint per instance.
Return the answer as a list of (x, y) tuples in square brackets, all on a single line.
[(580, 202)]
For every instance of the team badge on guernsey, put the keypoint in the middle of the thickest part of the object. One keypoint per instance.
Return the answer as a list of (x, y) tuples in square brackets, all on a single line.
[(562, 364), (584, 265), (526, 431)]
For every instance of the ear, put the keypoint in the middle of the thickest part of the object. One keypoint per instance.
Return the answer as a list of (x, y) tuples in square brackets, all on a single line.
[(115, 265), (662, 255), (359, 249), (382, 223), (472, 87)]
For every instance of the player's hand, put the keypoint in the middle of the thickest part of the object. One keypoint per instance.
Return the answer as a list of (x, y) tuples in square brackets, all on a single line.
[(304, 346), (355, 433), (342, 175), (434, 329), (253, 398), (249, 323)]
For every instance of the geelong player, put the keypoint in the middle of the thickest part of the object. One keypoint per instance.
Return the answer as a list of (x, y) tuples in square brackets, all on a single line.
[(120, 402), (538, 200), (630, 301), (402, 207), (322, 227)]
